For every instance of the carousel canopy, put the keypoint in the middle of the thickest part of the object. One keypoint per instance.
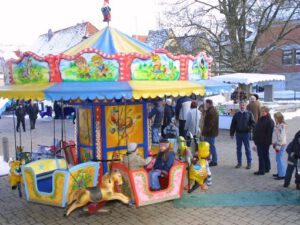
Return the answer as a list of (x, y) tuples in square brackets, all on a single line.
[(109, 65), (111, 41), (103, 90)]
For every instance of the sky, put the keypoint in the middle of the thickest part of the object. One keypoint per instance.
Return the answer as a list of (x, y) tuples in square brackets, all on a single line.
[(22, 21)]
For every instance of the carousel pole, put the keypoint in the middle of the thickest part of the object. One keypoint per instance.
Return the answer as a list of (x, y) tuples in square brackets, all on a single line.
[(62, 123), (54, 131), (15, 132)]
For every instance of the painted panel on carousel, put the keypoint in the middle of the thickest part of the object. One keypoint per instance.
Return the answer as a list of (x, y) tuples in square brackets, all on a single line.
[(30, 70), (86, 154), (85, 126), (89, 67), (124, 123), (157, 67), (198, 68)]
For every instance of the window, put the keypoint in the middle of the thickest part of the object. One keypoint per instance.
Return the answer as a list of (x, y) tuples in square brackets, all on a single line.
[(297, 57), (287, 57)]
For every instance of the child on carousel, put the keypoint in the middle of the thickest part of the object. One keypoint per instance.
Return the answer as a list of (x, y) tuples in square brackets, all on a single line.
[(132, 159), (163, 164)]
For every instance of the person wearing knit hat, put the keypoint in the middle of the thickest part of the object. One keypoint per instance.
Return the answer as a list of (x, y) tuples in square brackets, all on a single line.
[(164, 162), (132, 159)]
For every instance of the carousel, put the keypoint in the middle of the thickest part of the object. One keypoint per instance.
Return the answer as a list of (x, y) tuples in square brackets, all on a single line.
[(111, 79)]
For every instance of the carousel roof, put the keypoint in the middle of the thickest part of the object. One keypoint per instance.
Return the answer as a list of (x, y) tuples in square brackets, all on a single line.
[(111, 41)]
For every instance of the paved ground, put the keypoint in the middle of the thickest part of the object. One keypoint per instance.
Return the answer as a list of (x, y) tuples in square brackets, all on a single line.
[(225, 179)]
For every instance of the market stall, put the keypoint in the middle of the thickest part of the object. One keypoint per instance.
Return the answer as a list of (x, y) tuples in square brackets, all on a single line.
[(245, 81)]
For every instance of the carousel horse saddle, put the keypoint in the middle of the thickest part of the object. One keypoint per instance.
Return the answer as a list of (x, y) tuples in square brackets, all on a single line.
[(197, 166), (95, 193)]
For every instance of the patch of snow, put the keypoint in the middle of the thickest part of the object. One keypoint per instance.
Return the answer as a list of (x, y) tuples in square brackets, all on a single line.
[(4, 167), (60, 41), (217, 99), (287, 94), (291, 115)]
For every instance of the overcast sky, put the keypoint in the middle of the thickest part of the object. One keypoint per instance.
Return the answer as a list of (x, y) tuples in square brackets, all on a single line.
[(22, 21)]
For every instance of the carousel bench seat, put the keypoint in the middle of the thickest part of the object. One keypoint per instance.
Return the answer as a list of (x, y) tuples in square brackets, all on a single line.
[(138, 184), (49, 181)]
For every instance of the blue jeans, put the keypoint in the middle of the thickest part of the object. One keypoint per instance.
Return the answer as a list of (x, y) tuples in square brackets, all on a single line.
[(153, 179), (155, 135), (280, 162), (212, 148), (240, 139)]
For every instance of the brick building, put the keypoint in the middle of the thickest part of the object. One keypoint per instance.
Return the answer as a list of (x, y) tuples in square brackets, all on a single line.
[(285, 57)]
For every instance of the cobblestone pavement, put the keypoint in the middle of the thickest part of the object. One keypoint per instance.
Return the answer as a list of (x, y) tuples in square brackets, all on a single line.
[(14, 210)]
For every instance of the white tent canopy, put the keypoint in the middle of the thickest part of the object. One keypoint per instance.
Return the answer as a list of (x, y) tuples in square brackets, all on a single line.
[(248, 78)]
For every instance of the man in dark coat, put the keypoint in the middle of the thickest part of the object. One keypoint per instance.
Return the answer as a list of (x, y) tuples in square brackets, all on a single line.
[(32, 111), (241, 125), (168, 115), (211, 129), (157, 113), (20, 113), (262, 138), (293, 150)]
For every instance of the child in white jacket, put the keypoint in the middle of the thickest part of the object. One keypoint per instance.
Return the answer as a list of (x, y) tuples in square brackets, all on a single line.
[(279, 144)]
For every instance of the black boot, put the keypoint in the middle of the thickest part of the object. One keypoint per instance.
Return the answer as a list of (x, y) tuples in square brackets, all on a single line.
[(195, 186)]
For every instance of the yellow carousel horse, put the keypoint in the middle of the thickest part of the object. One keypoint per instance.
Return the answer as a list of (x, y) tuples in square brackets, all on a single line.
[(197, 164), (198, 169), (104, 192), (15, 176)]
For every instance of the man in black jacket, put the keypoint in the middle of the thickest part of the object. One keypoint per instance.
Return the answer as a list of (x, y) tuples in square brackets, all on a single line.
[(293, 150), (242, 124), (20, 113), (32, 111)]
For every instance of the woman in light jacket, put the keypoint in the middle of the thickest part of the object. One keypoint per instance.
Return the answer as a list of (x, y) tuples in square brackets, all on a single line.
[(192, 120), (279, 144)]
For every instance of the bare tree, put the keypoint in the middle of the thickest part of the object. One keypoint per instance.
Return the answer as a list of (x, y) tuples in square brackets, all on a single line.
[(234, 28)]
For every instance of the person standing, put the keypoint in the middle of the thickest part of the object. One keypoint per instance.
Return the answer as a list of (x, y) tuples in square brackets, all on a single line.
[(20, 113), (211, 129), (293, 151), (32, 111), (157, 113), (241, 125), (171, 133), (279, 144), (238, 95), (192, 122), (182, 107), (168, 115), (262, 138), (254, 107)]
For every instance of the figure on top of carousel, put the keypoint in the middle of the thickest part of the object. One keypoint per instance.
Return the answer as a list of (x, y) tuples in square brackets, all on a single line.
[(106, 11)]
